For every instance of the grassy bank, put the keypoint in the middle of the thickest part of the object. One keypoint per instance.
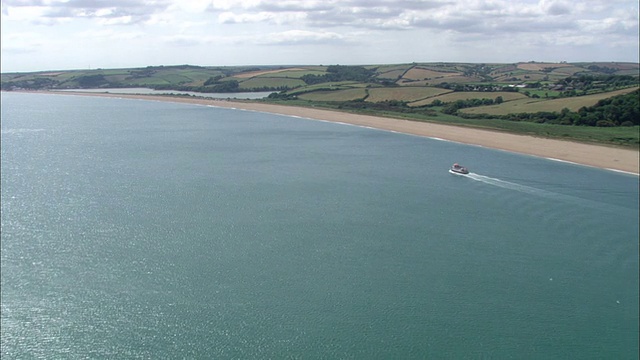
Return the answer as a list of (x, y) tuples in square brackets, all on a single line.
[(535, 97), (627, 137)]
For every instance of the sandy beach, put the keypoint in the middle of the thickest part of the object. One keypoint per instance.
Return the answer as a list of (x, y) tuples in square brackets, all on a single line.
[(624, 160)]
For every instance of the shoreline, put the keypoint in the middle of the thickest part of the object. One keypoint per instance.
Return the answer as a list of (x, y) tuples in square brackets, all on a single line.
[(604, 157)]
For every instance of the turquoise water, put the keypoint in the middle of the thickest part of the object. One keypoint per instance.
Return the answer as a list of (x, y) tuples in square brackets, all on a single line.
[(139, 229)]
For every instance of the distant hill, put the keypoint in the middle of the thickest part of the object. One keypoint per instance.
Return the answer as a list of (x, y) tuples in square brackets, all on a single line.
[(484, 95), (278, 78)]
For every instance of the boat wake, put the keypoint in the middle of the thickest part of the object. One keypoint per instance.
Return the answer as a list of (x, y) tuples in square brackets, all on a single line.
[(509, 185), (542, 193), (18, 131)]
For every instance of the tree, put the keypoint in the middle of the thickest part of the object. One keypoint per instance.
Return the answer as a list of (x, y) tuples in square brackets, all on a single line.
[(212, 80), (91, 81)]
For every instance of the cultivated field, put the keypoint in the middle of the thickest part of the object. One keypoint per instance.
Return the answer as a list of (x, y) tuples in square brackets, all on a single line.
[(466, 95), (338, 95), (418, 73), (407, 94), (330, 86), (536, 66), (567, 70), (261, 82), (251, 74), (612, 65), (454, 79), (387, 68), (393, 74), (528, 105), (414, 85), (523, 76), (292, 73)]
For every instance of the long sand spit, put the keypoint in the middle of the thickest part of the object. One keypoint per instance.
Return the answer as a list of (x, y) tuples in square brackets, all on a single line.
[(612, 158)]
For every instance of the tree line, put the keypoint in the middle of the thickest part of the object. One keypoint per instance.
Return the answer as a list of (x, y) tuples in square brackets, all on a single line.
[(453, 107), (621, 110), (337, 73)]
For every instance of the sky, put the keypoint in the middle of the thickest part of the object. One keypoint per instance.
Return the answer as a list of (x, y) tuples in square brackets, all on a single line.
[(40, 35)]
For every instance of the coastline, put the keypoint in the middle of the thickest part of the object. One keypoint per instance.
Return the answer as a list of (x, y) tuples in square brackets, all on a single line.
[(610, 158)]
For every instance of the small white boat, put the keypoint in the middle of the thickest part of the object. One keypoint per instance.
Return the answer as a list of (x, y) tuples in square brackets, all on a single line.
[(457, 169)]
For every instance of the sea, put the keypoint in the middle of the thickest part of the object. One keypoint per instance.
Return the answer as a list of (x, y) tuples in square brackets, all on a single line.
[(136, 229), (148, 91)]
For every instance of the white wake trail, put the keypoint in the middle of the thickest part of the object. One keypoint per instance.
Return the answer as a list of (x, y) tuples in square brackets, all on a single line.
[(543, 193), (509, 185)]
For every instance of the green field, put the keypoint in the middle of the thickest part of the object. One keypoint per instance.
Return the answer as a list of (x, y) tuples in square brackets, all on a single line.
[(395, 90), (419, 73), (628, 137), (260, 82), (292, 74), (341, 85), (466, 95), (407, 94), (383, 69), (528, 105), (454, 79), (338, 95), (392, 75)]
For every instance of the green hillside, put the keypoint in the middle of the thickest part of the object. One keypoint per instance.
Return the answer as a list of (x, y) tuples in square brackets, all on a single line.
[(497, 96)]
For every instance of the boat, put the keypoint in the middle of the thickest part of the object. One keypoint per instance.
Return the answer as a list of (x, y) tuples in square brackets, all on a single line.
[(457, 169)]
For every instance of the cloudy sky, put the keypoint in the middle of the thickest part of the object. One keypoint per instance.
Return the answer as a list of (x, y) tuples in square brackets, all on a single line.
[(79, 34)]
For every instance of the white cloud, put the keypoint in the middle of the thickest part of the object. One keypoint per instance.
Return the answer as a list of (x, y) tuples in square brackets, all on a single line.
[(189, 31), (191, 6), (136, 10), (21, 12), (299, 37), (27, 42), (180, 40), (110, 34), (228, 17), (120, 20)]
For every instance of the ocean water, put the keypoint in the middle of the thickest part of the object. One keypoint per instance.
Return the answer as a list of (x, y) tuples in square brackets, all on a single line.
[(147, 91), (142, 229)]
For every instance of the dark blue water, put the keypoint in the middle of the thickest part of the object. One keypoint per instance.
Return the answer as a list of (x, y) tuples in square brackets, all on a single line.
[(138, 229)]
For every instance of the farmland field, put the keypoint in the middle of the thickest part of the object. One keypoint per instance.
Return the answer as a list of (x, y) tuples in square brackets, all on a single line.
[(444, 67), (630, 72), (331, 86), (412, 85), (251, 74), (455, 79), (536, 105), (196, 76), (567, 70), (176, 78), (464, 95), (292, 73), (540, 66), (504, 69), (387, 68), (108, 72), (261, 82), (612, 65), (393, 74), (523, 76), (419, 74), (403, 94), (338, 95), (145, 81)]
